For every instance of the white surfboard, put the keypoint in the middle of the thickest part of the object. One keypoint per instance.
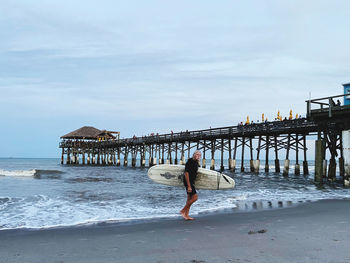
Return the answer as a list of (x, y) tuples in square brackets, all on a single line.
[(206, 179)]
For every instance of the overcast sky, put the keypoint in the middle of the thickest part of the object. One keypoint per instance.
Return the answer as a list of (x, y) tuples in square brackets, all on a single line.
[(155, 66)]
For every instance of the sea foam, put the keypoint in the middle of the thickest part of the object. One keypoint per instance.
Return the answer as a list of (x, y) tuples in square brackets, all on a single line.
[(18, 173), (29, 173)]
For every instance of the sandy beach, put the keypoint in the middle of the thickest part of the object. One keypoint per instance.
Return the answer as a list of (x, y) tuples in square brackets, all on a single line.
[(311, 232)]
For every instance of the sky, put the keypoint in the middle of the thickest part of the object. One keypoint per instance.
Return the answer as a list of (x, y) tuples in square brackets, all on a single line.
[(142, 67)]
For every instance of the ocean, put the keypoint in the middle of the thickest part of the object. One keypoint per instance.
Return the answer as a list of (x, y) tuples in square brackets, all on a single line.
[(41, 193)]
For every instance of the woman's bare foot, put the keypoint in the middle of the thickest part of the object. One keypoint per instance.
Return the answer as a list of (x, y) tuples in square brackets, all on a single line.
[(183, 213)]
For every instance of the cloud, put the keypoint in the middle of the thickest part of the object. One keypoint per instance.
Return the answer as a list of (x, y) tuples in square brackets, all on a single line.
[(154, 66)]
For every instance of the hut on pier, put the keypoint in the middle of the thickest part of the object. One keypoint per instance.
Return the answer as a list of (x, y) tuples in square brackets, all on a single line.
[(91, 133), (88, 141), (83, 133)]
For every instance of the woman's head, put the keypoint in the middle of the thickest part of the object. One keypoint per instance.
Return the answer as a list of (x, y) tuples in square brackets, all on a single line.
[(197, 155)]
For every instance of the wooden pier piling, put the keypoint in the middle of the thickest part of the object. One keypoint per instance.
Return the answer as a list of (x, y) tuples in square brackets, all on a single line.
[(277, 161), (98, 157), (257, 161), (331, 139), (176, 151), (222, 155), (126, 156), (183, 154), (133, 158), (212, 162), (341, 158), (204, 150), (170, 160), (62, 156), (233, 166), (267, 168), (297, 166), (286, 161), (346, 156), (189, 150), (252, 168), (305, 163), (242, 158), (229, 155), (319, 159), (118, 156), (332, 169)]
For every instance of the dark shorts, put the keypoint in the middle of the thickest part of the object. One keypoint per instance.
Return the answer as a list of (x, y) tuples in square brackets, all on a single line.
[(193, 189)]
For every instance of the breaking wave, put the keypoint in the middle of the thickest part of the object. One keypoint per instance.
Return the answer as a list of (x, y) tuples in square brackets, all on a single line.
[(29, 173)]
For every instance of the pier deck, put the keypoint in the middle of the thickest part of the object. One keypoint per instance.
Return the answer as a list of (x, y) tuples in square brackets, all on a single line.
[(276, 128), (327, 121)]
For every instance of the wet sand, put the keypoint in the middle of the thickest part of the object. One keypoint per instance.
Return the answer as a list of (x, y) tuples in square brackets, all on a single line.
[(312, 232)]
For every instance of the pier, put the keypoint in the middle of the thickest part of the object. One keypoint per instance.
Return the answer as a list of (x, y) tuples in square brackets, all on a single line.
[(325, 121)]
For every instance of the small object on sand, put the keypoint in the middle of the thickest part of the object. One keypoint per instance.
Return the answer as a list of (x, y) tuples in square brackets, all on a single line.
[(262, 231)]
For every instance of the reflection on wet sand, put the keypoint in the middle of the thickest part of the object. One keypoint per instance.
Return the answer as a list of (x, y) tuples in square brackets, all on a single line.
[(261, 205)]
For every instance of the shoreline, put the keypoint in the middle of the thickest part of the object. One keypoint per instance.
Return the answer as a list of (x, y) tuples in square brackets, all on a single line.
[(253, 208), (309, 232)]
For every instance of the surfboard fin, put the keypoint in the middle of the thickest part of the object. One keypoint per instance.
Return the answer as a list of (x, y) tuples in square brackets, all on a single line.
[(226, 178)]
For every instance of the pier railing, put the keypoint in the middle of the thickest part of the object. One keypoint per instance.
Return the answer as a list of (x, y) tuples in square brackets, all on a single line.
[(300, 125), (325, 105)]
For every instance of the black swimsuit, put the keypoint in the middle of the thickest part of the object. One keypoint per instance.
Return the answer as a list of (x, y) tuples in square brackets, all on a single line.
[(192, 168)]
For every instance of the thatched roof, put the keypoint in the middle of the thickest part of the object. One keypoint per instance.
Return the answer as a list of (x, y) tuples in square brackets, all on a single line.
[(86, 132)]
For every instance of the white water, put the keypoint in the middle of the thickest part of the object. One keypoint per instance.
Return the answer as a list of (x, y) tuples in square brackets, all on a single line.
[(60, 196), (18, 173)]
